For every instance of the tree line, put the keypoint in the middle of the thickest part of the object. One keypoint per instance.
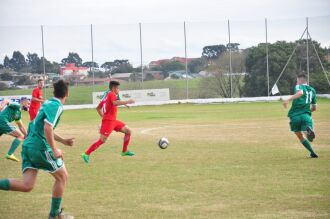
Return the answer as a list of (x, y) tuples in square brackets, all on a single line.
[(214, 60)]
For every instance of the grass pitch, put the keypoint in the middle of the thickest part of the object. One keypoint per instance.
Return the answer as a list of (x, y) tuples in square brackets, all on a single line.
[(224, 161)]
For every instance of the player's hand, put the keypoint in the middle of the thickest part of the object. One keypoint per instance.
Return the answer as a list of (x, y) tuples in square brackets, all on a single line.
[(69, 141), (130, 101), (58, 153), (285, 103)]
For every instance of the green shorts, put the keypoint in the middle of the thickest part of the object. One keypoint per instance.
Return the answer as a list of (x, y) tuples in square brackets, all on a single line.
[(300, 122), (6, 127), (40, 159)]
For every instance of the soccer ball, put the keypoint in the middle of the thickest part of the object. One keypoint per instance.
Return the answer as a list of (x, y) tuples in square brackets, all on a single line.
[(163, 143)]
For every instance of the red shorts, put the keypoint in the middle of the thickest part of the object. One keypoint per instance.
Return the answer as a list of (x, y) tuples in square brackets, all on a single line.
[(108, 126), (33, 113)]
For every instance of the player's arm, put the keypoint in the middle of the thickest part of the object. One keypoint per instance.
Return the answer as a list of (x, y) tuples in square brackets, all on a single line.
[(65, 141), (21, 127), (99, 110), (313, 107), (298, 94), (122, 102), (36, 97), (49, 134), (4, 103)]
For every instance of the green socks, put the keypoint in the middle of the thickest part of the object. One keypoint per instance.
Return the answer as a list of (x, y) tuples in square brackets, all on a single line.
[(4, 184), (308, 146), (55, 208), (13, 146)]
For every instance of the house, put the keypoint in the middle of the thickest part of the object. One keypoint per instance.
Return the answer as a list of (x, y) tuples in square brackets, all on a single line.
[(72, 69), (160, 62)]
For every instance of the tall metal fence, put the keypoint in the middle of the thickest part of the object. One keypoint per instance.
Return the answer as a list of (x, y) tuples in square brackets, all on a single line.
[(149, 44)]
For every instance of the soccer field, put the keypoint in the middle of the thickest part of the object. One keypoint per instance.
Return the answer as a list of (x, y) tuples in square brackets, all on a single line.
[(224, 161)]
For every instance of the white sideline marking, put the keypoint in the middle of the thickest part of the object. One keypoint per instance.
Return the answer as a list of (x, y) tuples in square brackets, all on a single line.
[(148, 130), (226, 126)]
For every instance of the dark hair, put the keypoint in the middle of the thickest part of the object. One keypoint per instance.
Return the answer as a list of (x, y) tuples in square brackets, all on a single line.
[(40, 80), (61, 89), (113, 84), (302, 75)]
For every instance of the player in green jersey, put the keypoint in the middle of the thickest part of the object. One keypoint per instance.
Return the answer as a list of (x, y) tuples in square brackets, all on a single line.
[(300, 113), (40, 152), (12, 112)]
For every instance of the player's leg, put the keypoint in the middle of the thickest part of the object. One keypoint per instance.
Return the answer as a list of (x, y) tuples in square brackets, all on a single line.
[(18, 138), (306, 144), (61, 178), (32, 113), (25, 185), (105, 131), (121, 127), (308, 126)]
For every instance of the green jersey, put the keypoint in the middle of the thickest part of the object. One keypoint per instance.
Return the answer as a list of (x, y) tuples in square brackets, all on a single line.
[(11, 112), (303, 104), (104, 95), (50, 112)]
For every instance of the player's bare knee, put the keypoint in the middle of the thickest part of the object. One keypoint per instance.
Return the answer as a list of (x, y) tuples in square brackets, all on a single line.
[(127, 130), (63, 177), (103, 139), (28, 187)]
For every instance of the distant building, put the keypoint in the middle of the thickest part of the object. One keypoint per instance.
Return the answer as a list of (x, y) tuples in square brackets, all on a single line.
[(72, 69), (158, 63), (174, 59)]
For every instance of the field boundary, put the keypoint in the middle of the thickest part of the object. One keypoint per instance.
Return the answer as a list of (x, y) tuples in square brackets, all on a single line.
[(194, 101), (191, 101)]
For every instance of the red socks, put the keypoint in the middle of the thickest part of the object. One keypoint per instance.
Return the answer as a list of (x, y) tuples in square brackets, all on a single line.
[(93, 147), (97, 144), (127, 139)]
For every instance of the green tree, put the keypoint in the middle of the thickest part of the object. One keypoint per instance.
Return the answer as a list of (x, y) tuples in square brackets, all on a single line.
[(218, 82), (6, 63), (122, 66), (279, 52), (90, 64), (6, 76), (109, 66), (18, 61), (213, 51), (72, 58), (172, 66), (33, 61), (197, 65)]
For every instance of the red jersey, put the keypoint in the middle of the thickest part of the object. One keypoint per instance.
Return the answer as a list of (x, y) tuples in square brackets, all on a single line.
[(108, 108), (37, 93)]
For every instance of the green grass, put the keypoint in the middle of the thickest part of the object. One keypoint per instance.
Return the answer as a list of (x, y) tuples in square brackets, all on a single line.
[(83, 94), (224, 161)]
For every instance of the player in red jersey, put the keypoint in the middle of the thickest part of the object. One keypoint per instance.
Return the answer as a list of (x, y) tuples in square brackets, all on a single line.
[(36, 100), (107, 109)]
